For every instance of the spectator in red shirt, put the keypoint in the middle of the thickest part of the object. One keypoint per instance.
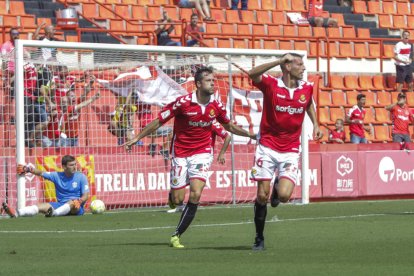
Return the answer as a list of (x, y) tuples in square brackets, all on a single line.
[(315, 15), (337, 136), (355, 119), (402, 116), (195, 30)]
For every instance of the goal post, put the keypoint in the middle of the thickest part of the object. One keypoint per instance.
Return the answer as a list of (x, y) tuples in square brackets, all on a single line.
[(107, 80)]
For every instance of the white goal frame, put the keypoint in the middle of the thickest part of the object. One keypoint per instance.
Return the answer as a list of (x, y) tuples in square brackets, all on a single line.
[(19, 88)]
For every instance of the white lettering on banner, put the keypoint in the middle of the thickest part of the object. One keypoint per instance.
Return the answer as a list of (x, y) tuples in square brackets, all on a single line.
[(31, 194), (313, 177), (223, 179), (131, 182), (344, 185), (289, 109)]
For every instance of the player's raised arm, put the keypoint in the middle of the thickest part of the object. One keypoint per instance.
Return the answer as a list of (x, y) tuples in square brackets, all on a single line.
[(235, 129), (150, 128), (256, 73)]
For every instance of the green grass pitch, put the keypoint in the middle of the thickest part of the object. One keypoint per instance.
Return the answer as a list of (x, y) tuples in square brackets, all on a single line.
[(351, 238)]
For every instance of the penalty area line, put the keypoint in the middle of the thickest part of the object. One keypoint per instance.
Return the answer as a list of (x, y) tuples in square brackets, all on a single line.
[(273, 220)]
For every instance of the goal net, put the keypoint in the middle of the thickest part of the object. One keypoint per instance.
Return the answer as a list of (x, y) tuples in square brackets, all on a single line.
[(87, 99)]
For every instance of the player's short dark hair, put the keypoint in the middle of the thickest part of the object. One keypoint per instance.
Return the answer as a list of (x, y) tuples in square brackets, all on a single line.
[(199, 74), (340, 120), (405, 31), (194, 14), (282, 66), (360, 96), (66, 159)]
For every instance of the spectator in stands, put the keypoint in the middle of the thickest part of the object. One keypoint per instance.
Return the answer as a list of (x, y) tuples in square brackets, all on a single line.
[(355, 119), (52, 137), (202, 7), (235, 4), (163, 33), (337, 136), (121, 124), (401, 116), (30, 97), (315, 15), (71, 113), (47, 53), (145, 117), (194, 29), (402, 57)]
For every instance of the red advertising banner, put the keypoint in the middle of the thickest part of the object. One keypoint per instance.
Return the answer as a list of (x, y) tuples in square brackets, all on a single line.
[(340, 174), (389, 173)]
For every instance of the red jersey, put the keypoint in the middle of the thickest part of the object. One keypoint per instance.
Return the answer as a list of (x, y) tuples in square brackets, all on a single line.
[(71, 122), (283, 113), (53, 131), (144, 114), (30, 81), (219, 131), (357, 114), (197, 30), (334, 134), (193, 124), (315, 8), (401, 118)]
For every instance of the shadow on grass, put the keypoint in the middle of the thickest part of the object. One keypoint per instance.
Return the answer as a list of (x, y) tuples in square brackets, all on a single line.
[(164, 244), (237, 247)]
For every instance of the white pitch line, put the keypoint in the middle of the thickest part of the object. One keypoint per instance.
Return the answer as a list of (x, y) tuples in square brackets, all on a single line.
[(199, 225)]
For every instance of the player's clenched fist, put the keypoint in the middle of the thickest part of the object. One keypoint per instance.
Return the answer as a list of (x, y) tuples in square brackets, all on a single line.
[(23, 169)]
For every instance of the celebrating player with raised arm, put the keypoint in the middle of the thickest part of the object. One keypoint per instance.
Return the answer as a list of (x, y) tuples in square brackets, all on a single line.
[(191, 144), (285, 101), (72, 191)]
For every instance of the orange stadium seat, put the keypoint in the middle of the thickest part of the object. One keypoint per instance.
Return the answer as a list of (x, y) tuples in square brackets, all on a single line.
[(398, 21), (16, 8), (139, 12), (254, 5), (351, 82), (378, 81), (300, 45), (334, 32), (337, 82), (218, 15), (391, 82), (410, 21), (348, 32), (289, 30), (107, 12), (324, 98), (47, 21), (279, 17), (388, 7), (346, 49), (336, 113), (269, 44), (27, 21), (172, 13), (297, 5), (10, 20), (369, 115), (89, 10), (412, 8), (374, 7), (117, 25), (154, 13), (212, 28), (383, 98), (382, 115), (324, 115), (382, 134), (185, 14), (283, 5), (410, 99), (268, 5), (112, 1), (314, 50), (370, 98), (394, 96), (285, 44), (239, 43), (339, 18), (263, 17), (304, 31), (248, 16), (388, 51), (360, 7), (257, 44), (3, 7), (363, 33), (384, 21), (232, 16), (209, 42), (123, 10), (223, 43), (274, 30), (360, 50), (403, 8), (351, 97), (365, 82), (333, 49), (319, 32), (228, 28), (338, 98), (374, 50), (243, 29), (325, 133), (258, 29), (129, 2)]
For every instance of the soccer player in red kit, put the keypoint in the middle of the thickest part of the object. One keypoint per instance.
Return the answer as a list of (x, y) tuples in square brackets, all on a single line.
[(285, 101), (191, 147), (401, 117)]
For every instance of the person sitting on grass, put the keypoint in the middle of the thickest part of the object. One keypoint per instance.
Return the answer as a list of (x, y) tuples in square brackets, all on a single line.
[(72, 191)]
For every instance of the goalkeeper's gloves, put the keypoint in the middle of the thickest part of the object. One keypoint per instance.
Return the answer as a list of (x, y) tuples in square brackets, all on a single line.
[(23, 169), (77, 203)]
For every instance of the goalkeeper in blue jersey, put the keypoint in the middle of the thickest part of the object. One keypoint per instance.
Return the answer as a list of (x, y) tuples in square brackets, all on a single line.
[(72, 191)]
